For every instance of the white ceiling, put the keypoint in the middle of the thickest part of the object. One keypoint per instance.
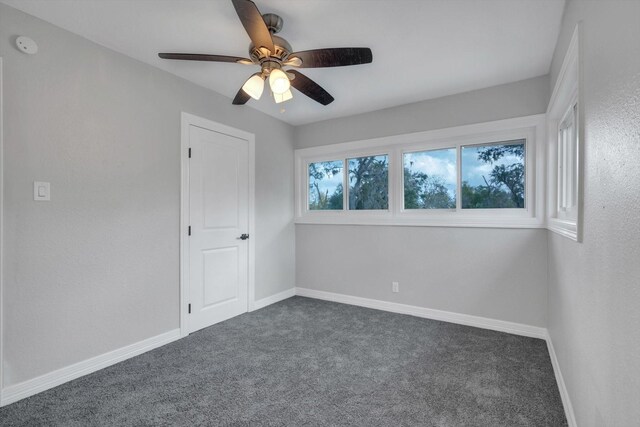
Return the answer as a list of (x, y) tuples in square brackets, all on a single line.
[(422, 49)]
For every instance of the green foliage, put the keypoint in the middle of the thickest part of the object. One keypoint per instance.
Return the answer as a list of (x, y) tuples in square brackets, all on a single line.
[(369, 183), (422, 191), (485, 197), (512, 177), (506, 185), (335, 200), (321, 200), (494, 153)]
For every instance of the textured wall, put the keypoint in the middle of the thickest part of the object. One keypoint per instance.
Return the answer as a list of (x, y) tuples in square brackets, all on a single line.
[(594, 286), (495, 273), (96, 268)]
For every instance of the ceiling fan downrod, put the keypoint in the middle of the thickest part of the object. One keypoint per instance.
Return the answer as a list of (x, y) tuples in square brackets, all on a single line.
[(273, 53)]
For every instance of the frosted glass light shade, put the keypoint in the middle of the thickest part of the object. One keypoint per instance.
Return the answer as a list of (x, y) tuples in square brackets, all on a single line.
[(279, 81), (254, 87), (281, 97)]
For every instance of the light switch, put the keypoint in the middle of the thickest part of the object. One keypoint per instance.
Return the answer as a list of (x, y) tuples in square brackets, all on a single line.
[(41, 191)]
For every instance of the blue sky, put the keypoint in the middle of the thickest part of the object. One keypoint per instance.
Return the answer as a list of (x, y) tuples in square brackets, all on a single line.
[(329, 182), (440, 163), (473, 169)]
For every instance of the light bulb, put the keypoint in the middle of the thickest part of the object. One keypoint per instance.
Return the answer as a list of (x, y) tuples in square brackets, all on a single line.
[(254, 86), (281, 97), (279, 81)]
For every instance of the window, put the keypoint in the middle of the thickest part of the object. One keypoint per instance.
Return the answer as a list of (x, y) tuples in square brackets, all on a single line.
[(325, 185), (430, 179), (567, 165), (473, 176), (369, 183), (493, 175), (564, 152)]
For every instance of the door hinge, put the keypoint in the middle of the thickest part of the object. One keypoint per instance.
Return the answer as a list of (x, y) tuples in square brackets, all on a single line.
[(189, 308), (189, 230), (189, 152)]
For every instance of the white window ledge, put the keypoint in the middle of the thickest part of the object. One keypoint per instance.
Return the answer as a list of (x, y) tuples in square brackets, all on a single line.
[(564, 228)]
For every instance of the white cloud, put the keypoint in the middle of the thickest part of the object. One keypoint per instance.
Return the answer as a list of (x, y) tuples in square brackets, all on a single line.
[(444, 168)]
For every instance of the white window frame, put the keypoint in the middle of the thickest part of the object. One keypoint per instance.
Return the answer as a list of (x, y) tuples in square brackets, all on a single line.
[(530, 128), (565, 218)]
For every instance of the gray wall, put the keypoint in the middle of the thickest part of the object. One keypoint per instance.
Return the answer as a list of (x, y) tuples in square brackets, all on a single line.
[(594, 286), (495, 273), (97, 268), (495, 103)]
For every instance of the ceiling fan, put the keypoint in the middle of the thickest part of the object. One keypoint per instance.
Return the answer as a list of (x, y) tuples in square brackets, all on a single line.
[(272, 53)]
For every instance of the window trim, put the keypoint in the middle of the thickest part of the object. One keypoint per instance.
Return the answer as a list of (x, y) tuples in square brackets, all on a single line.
[(566, 94), (531, 128)]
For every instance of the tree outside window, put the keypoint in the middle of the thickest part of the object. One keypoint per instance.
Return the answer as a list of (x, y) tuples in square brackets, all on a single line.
[(493, 176)]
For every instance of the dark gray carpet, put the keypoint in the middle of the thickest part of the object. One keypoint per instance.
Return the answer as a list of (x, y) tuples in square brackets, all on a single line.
[(305, 362)]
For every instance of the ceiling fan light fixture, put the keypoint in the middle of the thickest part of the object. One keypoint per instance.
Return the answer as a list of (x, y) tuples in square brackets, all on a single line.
[(254, 86), (282, 97), (279, 82), (271, 52)]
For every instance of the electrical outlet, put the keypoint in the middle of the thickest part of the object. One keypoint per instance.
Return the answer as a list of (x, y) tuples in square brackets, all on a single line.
[(41, 191), (395, 287)]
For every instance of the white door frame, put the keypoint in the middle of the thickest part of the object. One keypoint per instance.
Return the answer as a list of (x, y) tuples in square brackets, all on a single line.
[(191, 120), (1, 236)]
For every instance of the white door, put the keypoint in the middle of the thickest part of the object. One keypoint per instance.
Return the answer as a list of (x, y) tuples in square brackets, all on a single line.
[(219, 216)]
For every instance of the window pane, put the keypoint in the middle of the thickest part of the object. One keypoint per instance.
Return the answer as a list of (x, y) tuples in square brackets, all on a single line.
[(430, 179), (567, 165), (369, 182), (325, 185), (493, 176)]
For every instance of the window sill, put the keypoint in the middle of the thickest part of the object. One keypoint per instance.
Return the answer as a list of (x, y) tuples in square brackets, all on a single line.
[(568, 229), (422, 221)]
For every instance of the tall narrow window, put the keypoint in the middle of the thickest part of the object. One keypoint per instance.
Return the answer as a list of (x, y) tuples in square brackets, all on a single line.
[(564, 153), (568, 164), (369, 182), (325, 185), (430, 179), (493, 175)]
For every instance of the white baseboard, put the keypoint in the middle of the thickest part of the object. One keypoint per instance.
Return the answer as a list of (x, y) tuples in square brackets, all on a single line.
[(19, 391), (261, 303), (429, 313), (562, 387)]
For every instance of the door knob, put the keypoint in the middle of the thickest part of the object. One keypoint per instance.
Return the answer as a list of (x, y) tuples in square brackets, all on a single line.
[(243, 236)]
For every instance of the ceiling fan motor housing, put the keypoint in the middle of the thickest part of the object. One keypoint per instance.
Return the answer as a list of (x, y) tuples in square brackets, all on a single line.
[(263, 57), (272, 52)]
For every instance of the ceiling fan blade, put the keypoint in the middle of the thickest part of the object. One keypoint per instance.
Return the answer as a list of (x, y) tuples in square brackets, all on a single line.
[(201, 57), (252, 21), (241, 97), (310, 88), (333, 57)]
